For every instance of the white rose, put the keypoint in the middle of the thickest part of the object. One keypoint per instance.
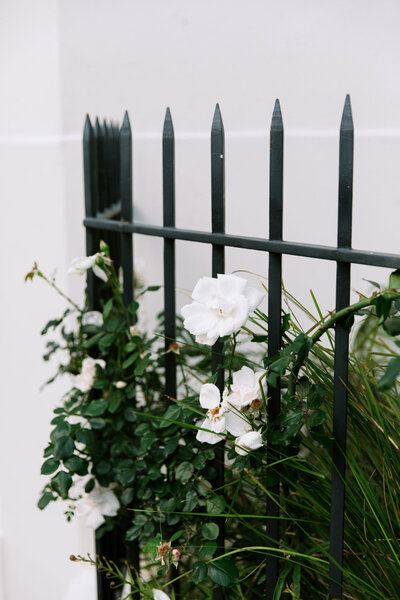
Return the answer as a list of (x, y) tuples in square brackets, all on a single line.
[(160, 595), (251, 440), (92, 317), (95, 505), (79, 266), (84, 381), (220, 307), (246, 384)]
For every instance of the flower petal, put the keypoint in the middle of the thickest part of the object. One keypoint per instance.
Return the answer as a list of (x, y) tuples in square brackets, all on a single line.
[(254, 297), (99, 273), (231, 286), (94, 518), (110, 503), (205, 290), (208, 436), (236, 423), (160, 595), (251, 440), (210, 396)]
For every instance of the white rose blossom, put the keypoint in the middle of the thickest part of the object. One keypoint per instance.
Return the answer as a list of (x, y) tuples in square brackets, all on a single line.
[(220, 307), (84, 381), (251, 440), (97, 504), (222, 416), (160, 595), (79, 266), (92, 317), (246, 385)]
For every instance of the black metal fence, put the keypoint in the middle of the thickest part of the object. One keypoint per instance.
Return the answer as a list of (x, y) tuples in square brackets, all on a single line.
[(109, 216)]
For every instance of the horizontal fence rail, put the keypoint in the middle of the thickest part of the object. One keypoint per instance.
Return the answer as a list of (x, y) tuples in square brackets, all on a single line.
[(109, 215)]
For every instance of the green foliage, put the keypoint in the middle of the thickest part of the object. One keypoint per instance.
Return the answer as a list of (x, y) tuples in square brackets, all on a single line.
[(124, 434)]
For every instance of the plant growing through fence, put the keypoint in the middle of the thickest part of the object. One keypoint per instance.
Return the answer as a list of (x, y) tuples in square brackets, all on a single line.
[(121, 449)]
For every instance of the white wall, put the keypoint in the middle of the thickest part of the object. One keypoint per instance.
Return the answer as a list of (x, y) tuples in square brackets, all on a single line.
[(62, 59)]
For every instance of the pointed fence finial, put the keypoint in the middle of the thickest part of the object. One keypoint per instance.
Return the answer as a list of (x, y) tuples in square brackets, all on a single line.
[(347, 115), (217, 124), (126, 124), (168, 130), (277, 122), (87, 128)]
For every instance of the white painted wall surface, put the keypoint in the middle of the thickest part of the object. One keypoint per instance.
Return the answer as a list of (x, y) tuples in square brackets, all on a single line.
[(62, 58)]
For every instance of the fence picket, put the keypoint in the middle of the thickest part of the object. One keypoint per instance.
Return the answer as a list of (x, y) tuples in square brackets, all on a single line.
[(168, 149), (218, 266), (274, 324), (341, 352)]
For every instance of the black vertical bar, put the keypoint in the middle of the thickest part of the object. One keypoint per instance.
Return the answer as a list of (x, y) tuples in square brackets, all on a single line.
[(125, 147), (346, 149), (90, 201), (99, 131), (125, 185), (274, 325), (218, 266), (168, 146)]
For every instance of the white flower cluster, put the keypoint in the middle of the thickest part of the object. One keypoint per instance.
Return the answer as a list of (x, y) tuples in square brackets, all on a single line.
[(220, 307), (226, 414), (84, 381)]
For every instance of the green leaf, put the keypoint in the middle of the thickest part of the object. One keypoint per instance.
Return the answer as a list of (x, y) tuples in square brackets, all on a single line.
[(167, 505), (316, 396), (130, 360), (259, 339), (297, 579), (141, 367), (392, 326), (126, 476), (147, 440), (172, 413), (90, 485), (210, 531), (63, 429), (292, 418), (127, 496), (208, 550), (49, 466), (93, 340), (215, 505), (64, 448), (394, 280), (223, 572), (184, 472), (382, 305), (389, 378), (170, 446), (214, 378), (77, 465), (199, 572), (133, 307), (133, 533), (97, 423), (199, 461), (96, 408), (114, 401), (107, 340), (44, 500), (61, 483), (317, 417), (191, 501), (176, 535), (107, 309)]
